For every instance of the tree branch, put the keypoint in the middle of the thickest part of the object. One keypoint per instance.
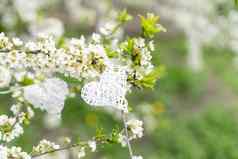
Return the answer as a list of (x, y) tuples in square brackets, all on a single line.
[(124, 117)]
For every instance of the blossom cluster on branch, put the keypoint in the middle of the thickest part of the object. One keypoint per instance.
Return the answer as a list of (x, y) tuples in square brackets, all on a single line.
[(37, 75)]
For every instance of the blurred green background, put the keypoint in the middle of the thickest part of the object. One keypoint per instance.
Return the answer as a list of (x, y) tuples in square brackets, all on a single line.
[(189, 115)]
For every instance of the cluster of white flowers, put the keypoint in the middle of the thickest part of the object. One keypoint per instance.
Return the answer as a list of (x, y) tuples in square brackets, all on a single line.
[(12, 127), (13, 152), (37, 74), (81, 152), (45, 146), (93, 145), (145, 53), (78, 59), (108, 29), (135, 130), (42, 59), (9, 128)]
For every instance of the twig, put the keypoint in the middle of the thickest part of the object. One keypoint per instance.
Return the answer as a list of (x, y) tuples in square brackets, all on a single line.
[(56, 150), (85, 143), (81, 144), (127, 135), (10, 90), (6, 92)]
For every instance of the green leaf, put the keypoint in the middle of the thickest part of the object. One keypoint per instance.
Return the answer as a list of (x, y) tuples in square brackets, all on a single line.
[(111, 53), (115, 135), (128, 46), (61, 42), (100, 135), (124, 17), (27, 81), (150, 80), (150, 26)]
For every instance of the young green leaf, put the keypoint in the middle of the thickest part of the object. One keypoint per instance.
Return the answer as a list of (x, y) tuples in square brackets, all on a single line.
[(124, 17), (150, 26), (149, 80)]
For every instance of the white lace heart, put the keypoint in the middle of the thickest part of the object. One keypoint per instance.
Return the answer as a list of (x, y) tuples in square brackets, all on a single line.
[(109, 91), (49, 95)]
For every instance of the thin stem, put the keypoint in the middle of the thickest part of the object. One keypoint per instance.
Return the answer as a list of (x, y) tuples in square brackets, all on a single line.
[(81, 144), (56, 150), (127, 134), (85, 143), (21, 50), (10, 90), (6, 92)]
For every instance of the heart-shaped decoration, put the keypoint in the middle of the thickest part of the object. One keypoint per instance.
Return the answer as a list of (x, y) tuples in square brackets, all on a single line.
[(109, 91), (48, 95)]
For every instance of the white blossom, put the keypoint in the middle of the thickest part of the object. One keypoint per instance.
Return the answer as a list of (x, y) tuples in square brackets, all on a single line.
[(122, 139), (31, 46), (17, 42), (9, 128), (35, 67), (135, 126), (81, 152), (13, 152), (151, 45), (108, 28), (137, 157), (96, 38), (5, 42), (30, 112), (16, 152), (81, 43), (15, 108), (45, 146), (3, 152), (93, 145)]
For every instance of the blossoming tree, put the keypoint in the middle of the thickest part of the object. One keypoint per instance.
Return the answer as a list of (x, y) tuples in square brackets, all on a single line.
[(38, 75)]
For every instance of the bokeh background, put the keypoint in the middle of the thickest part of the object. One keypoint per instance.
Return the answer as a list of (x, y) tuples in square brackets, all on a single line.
[(191, 113)]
